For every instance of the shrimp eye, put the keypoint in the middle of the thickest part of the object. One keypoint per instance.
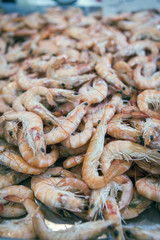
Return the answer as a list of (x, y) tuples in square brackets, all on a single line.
[(31, 52), (151, 137), (123, 88), (120, 92), (42, 149), (128, 233), (133, 87), (53, 55), (111, 226), (158, 151), (98, 121), (50, 123), (92, 205), (141, 140), (86, 103), (116, 233), (85, 208), (76, 93), (10, 133), (63, 84)]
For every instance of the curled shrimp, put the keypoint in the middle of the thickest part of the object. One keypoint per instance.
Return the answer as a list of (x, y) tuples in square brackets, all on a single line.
[(3, 106), (13, 160), (137, 205), (95, 149), (87, 230), (15, 191), (126, 150), (127, 190), (149, 188), (9, 177), (31, 101), (32, 127), (118, 129), (17, 103), (55, 192), (146, 82), (73, 161), (12, 210), (21, 228), (40, 160), (10, 92), (68, 125), (147, 98), (79, 139), (149, 32), (138, 48), (109, 75), (95, 93), (125, 72)]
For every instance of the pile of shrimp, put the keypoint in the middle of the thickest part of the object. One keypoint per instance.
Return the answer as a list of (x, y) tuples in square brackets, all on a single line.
[(80, 119)]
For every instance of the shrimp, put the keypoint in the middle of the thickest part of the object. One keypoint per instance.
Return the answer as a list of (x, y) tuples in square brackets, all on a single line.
[(54, 194), (12, 210), (149, 188), (13, 160), (7, 70), (95, 92), (97, 200), (65, 108), (65, 152), (68, 125), (38, 64), (17, 103), (25, 83), (19, 191), (3, 106), (40, 160), (10, 92), (149, 32), (63, 95), (95, 149), (21, 228), (142, 232), (147, 98), (125, 72), (138, 48), (87, 230), (32, 103), (32, 127), (111, 212), (79, 139), (16, 53), (149, 166), (9, 177), (73, 161), (125, 150), (109, 75), (137, 205), (146, 82), (10, 132), (119, 129), (127, 190)]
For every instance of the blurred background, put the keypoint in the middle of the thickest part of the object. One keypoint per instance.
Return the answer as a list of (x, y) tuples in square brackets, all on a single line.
[(27, 6)]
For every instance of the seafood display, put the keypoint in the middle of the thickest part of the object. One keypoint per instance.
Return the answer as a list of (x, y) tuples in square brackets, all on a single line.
[(80, 120)]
